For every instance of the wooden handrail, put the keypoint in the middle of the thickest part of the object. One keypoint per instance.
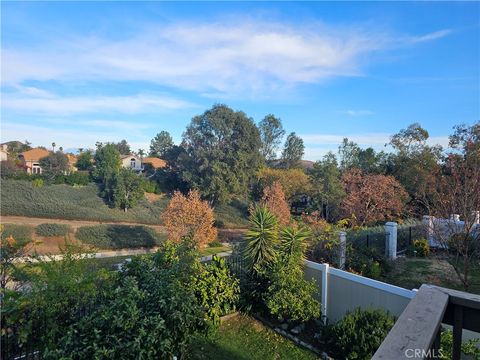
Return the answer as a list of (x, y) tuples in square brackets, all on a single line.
[(416, 333)]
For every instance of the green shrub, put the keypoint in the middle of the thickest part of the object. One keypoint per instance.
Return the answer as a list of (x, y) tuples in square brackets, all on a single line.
[(421, 247), (118, 236), (469, 348), (77, 178), (50, 229), (38, 183), (359, 334), (215, 243), (149, 186), (367, 261), (21, 233), (462, 244), (217, 290)]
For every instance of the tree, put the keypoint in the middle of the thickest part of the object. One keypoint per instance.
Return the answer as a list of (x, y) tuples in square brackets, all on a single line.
[(271, 134), (141, 153), (274, 199), (189, 216), (414, 164), (107, 165), (327, 189), (54, 165), (84, 160), (371, 198), (161, 144), (293, 181), (293, 151), (127, 189), (221, 154), (457, 191), (53, 146), (123, 147)]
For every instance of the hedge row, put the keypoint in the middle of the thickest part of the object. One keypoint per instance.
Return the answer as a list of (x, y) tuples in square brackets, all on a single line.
[(52, 229), (118, 236), (21, 233)]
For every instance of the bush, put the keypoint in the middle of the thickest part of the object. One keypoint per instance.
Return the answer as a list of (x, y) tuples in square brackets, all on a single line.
[(217, 290), (149, 186), (366, 262), (118, 236), (49, 229), (21, 233), (359, 334), (462, 244), (77, 178), (421, 248), (470, 347), (38, 183)]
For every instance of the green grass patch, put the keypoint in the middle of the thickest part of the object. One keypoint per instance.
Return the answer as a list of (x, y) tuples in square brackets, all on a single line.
[(242, 338), (50, 229), (21, 198), (21, 233), (118, 236), (214, 250)]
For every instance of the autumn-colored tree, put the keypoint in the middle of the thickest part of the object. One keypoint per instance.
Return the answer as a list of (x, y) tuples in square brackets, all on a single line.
[(293, 181), (189, 216), (371, 197), (274, 199)]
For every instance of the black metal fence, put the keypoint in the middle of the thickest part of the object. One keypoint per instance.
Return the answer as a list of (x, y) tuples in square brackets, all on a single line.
[(371, 238), (406, 235)]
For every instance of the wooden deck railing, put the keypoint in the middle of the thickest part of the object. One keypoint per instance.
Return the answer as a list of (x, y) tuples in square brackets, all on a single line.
[(416, 334)]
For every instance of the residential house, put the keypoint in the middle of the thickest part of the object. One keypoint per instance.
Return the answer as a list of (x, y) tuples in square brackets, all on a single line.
[(3, 154), (31, 159), (132, 162), (154, 162)]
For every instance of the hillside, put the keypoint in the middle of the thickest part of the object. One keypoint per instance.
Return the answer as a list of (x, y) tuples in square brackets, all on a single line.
[(21, 198)]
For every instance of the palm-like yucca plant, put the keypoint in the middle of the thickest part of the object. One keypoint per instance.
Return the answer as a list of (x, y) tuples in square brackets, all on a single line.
[(262, 238), (293, 243)]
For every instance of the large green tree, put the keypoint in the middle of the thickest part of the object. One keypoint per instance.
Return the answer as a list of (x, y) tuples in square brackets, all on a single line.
[(293, 151), (123, 147), (54, 165), (84, 160), (414, 164), (327, 187), (161, 144), (107, 165), (127, 189), (221, 153), (271, 134)]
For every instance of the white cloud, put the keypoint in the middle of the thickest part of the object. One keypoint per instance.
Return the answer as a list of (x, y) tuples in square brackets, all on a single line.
[(57, 105), (430, 36), (355, 113), (218, 57)]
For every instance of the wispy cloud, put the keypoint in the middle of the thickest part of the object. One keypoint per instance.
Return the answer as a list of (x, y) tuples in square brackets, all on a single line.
[(430, 36), (212, 58), (44, 103), (355, 113)]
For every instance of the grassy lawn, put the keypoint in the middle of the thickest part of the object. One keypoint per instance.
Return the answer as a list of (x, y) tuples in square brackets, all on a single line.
[(243, 338), (214, 250), (21, 198), (411, 273)]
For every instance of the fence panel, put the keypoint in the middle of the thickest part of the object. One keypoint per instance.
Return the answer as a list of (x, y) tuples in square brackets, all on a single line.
[(370, 238), (406, 235)]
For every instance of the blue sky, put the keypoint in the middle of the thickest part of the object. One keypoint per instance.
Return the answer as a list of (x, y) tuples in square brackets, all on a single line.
[(77, 73)]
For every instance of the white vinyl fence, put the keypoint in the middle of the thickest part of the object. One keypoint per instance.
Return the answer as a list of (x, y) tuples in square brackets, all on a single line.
[(341, 291)]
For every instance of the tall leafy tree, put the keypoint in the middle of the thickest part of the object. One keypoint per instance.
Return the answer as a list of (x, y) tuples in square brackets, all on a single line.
[(107, 165), (221, 153), (348, 153), (123, 147), (54, 165), (127, 189), (84, 160), (161, 144), (271, 134), (327, 188), (414, 164), (293, 150)]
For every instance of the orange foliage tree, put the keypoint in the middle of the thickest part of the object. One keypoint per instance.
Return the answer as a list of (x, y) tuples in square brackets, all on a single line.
[(372, 197), (189, 216), (274, 198)]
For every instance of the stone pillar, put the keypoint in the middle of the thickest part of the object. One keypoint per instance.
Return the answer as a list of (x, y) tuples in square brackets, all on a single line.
[(391, 240), (427, 222), (342, 249)]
